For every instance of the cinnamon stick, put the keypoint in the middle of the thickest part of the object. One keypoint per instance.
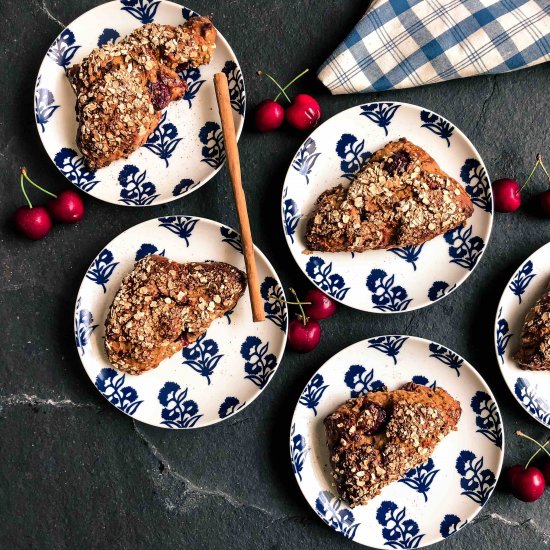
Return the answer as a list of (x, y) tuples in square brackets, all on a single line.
[(233, 163)]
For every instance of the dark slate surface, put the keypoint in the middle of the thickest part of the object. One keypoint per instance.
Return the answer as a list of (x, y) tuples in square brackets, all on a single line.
[(77, 473)]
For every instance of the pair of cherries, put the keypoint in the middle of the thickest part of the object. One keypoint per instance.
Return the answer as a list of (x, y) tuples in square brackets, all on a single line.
[(35, 222), (303, 113), (528, 483), (507, 192), (304, 331)]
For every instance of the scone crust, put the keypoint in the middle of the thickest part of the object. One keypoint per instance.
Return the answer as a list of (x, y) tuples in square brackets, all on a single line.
[(418, 418), (162, 306), (388, 206)]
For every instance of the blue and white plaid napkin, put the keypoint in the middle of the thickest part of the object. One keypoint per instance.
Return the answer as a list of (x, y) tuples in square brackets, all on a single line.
[(406, 43)]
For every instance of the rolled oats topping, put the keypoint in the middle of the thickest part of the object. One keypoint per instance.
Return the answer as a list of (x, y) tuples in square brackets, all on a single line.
[(120, 88), (377, 438), (399, 198)]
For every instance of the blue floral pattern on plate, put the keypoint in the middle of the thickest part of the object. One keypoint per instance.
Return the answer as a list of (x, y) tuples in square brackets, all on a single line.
[(274, 306), (353, 155), (503, 336), (380, 113), (450, 524), (521, 279), (232, 238), (192, 77), (164, 140), (329, 282), (143, 10), (146, 249), (291, 217), (529, 397), (408, 253), (488, 420), (313, 392), (439, 289), (64, 48), (83, 327), (335, 514), (177, 410), (185, 186), (182, 226), (111, 384), (102, 268), (235, 81), (390, 345), (386, 295), (135, 189), (361, 381), (446, 356), (421, 478), (305, 158), (202, 356), (464, 249), (398, 530), (259, 364), (423, 381), (438, 125), (298, 452), (230, 406), (108, 36), (71, 164), (477, 483), (475, 177), (44, 106), (213, 151)]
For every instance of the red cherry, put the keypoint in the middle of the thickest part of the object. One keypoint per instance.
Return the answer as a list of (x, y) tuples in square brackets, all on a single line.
[(511, 474), (35, 223), (304, 112), (303, 338), (321, 306), (67, 207), (527, 483), (507, 195), (544, 199), (545, 469), (269, 115)]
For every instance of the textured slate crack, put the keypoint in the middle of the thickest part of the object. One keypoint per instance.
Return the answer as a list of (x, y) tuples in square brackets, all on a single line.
[(529, 523), (7, 401), (192, 492), (43, 8), (481, 119)]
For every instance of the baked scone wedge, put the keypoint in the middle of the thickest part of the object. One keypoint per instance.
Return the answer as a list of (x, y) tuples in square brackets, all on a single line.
[(377, 438), (401, 197), (121, 88), (163, 306), (534, 348)]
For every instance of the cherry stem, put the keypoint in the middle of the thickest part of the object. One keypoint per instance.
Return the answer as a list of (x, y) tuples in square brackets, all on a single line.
[(25, 175), (292, 82), (543, 167), (539, 161), (24, 192), (304, 317), (541, 447), (261, 73), (277, 299)]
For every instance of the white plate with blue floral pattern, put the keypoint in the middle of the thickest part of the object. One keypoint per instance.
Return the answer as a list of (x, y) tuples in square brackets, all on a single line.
[(527, 285), (432, 501), (401, 279), (185, 150), (219, 374)]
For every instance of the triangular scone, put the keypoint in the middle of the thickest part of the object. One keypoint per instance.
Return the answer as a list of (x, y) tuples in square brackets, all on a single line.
[(163, 306), (399, 198), (534, 350), (377, 438)]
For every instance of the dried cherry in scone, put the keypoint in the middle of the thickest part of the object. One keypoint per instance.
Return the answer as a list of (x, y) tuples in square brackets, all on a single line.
[(372, 418), (398, 163)]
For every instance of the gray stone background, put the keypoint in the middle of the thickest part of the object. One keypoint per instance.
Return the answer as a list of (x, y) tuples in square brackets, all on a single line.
[(76, 473)]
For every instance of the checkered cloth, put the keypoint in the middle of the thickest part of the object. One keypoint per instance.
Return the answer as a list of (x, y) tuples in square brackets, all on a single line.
[(406, 43)]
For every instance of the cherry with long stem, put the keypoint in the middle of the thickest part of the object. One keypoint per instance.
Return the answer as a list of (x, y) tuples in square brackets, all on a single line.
[(282, 90), (296, 303), (25, 176), (541, 447)]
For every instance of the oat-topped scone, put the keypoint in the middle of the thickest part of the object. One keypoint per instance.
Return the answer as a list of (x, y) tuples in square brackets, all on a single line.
[(121, 88), (377, 438), (162, 306), (534, 350), (401, 197)]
